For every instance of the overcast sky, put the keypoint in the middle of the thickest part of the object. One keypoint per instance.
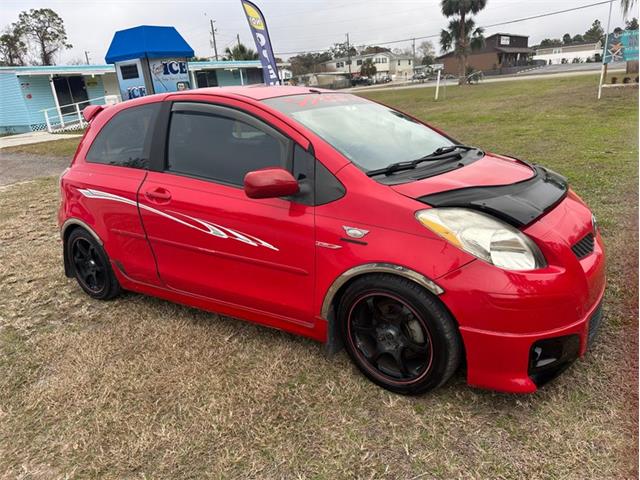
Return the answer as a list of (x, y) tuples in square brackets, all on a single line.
[(298, 25)]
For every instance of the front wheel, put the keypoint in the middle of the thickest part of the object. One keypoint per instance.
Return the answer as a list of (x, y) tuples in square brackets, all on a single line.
[(399, 335)]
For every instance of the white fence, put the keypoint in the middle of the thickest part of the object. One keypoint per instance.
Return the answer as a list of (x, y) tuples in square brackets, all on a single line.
[(69, 117)]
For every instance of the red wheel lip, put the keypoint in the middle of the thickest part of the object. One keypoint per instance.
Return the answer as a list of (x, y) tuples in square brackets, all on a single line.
[(365, 363)]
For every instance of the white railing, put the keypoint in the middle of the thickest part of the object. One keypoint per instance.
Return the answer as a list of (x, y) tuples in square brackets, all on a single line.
[(69, 117)]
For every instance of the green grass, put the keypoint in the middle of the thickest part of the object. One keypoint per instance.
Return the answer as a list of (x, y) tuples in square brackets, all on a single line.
[(65, 147), (142, 388)]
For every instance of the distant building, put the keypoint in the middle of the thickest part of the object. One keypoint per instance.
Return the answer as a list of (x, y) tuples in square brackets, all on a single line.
[(388, 64), (501, 51), (26, 93), (573, 53)]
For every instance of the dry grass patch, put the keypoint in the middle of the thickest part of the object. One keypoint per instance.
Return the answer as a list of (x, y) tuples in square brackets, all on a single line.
[(142, 388)]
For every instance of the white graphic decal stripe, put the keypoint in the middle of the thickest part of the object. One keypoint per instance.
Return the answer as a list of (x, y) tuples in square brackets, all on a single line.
[(209, 228)]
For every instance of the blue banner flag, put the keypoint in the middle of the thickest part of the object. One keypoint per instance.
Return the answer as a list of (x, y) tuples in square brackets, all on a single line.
[(258, 27), (621, 47)]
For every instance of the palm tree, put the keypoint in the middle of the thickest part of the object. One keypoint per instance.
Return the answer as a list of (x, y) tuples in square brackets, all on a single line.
[(240, 52), (461, 33), (627, 5)]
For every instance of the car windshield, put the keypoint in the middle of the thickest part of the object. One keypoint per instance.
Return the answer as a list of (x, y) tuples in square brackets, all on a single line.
[(369, 134)]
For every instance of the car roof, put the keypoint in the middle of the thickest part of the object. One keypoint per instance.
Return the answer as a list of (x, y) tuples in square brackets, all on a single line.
[(256, 92)]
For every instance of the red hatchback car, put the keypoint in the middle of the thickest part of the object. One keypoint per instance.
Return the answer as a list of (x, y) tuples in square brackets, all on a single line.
[(341, 219)]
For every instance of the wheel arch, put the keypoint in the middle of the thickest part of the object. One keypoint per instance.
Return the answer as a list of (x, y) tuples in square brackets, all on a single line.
[(67, 227), (342, 282)]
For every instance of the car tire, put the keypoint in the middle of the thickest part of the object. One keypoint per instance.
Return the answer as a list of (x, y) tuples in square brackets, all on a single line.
[(91, 266), (399, 335)]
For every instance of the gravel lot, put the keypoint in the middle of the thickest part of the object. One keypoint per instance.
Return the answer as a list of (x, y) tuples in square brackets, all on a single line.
[(19, 167)]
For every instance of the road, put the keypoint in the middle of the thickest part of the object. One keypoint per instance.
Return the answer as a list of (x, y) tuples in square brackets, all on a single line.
[(556, 71)]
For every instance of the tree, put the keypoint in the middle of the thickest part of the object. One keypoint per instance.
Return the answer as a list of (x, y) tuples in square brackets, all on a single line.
[(426, 53), (578, 38), (461, 34), (12, 48), (339, 50), (550, 42), (373, 49), (368, 69), (308, 62), (46, 29), (594, 33), (240, 52), (627, 5), (631, 24), (566, 39)]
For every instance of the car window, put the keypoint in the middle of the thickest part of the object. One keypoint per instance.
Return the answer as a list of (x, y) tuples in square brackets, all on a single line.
[(369, 134), (122, 140), (220, 148)]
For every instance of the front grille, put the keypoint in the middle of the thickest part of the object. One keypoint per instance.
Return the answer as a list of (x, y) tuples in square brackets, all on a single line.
[(594, 324), (585, 246)]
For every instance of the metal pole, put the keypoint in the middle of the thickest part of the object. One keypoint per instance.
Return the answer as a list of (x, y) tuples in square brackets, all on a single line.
[(438, 84), (413, 45), (241, 78), (348, 56), (46, 119), (79, 115), (55, 99), (603, 71), (213, 37)]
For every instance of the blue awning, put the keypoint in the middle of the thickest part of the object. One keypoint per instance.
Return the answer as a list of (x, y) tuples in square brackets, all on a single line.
[(147, 41)]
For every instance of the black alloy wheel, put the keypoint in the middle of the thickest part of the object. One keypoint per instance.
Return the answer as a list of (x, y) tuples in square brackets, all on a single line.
[(390, 337), (398, 334), (91, 265)]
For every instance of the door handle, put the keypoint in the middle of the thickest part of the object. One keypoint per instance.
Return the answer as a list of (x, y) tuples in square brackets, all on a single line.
[(158, 195)]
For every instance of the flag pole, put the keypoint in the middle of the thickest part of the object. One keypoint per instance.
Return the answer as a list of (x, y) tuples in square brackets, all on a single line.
[(603, 71)]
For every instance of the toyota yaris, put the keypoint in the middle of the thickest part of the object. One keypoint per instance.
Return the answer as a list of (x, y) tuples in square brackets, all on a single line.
[(343, 220)]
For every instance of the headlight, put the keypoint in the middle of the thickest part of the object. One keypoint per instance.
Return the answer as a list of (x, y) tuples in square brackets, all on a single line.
[(484, 236)]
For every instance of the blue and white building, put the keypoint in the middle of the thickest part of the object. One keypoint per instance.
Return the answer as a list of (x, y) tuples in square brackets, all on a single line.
[(52, 97)]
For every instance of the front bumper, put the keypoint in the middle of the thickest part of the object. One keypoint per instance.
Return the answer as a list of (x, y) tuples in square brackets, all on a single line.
[(503, 361), (506, 318)]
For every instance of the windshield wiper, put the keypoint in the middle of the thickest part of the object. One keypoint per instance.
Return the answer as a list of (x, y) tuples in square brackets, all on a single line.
[(440, 153)]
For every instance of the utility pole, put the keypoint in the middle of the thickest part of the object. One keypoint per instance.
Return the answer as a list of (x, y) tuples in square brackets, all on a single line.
[(86, 55), (349, 56), (413, 46), (213, 37)]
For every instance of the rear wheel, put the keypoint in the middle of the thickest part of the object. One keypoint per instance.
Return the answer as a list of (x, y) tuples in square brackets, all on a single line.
[(91, 266), (399, 335)]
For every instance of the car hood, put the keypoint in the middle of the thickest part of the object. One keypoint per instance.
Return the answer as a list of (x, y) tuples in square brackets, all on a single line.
[(511, 190), (491, 170)]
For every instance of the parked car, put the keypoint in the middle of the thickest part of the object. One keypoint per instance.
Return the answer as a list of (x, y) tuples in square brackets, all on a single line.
[(361, 80), (330, 216)]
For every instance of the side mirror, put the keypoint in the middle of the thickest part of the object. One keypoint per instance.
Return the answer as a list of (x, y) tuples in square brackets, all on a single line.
[(270, 183)]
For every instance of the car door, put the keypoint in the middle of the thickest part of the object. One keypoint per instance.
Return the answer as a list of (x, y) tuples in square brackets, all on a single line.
[(208, 237), (106, 183)]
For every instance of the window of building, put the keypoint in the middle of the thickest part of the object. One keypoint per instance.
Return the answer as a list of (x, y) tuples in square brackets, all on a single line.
[(358, 62), (505, 40), (339, 64), (207, 78), (220, 148), (129, 71), (409, 61), (122, 140)]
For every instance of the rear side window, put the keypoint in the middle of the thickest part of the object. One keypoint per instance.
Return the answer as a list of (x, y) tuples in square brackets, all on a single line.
[(123, 140), (220, 148)]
